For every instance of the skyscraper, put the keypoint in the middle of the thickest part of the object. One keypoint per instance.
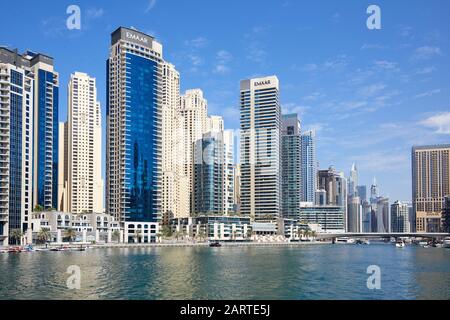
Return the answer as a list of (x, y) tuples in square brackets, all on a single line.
[(134, 127), (374, 191), (353, 181), (383, 217), (213, 174), (446, 215), (362, 193), (260, 148), (17, 100), (400, 217), (308, 166), (291, 165), (83, 153), (335, 185), (430, 184), (46, 127), (354, 215), (193, 111)]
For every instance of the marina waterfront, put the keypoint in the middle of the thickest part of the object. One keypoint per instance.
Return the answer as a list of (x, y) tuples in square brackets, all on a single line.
[(239, 273)]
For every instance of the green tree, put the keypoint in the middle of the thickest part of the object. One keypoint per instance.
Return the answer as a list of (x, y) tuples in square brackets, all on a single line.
[(70, 234), (38, 208), (16, 235), (166, 231), (116, 235), (44, 235)]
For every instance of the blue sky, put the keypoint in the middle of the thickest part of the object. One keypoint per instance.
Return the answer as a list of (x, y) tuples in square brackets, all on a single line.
[(370, 94)]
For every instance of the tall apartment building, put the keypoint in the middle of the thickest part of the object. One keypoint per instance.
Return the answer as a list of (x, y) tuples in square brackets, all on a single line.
[(430, 184), (46, 126), (134, 127), (260, 148), (308, 166), (81, 149), (193, 111), (400, 217), (17, 100), (291, 165), (353, 182), (237, 188), (175, 193), (354, 215)]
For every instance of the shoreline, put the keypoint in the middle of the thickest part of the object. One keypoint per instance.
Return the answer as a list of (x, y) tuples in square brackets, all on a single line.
[(171, 245)]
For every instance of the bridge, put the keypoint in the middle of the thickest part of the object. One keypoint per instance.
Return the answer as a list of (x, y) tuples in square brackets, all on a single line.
[(383, 235)]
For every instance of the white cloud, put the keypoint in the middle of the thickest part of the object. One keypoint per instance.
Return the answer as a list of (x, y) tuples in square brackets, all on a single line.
[(289, 108), (427, 93), (196, 43), (371, 90), (426, 70), (150, 6), (440, 122), (368, 46), (95, 13), (223, 58), (426, 52), (384, 64)]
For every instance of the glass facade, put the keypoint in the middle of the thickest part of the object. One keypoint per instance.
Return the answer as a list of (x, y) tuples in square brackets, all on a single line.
[(141, 140), (15, 166), (47, 143)]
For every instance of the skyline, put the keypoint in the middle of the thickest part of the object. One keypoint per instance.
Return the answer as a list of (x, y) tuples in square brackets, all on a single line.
[(388, 72)]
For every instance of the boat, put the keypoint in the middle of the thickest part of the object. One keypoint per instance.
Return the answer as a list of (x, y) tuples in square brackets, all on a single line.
[(446, 243), (15, 250), (400, 244), (215, 244), (345, 240), (60, 249)]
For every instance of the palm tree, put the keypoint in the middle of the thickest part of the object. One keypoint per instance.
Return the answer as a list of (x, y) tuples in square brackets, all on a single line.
[(16, 235), (44, 235), (202, 234), (116, 234), (70, 234), (137, 236), (38, 208)]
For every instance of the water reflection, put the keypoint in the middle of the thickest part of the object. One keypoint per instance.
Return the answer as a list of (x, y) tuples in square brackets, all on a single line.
[(309, 272)]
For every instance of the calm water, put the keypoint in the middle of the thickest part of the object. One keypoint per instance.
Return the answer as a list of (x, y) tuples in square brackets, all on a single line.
[(307, 272)]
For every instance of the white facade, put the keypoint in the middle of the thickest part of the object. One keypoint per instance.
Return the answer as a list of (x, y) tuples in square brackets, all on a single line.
[(16, 148), (84, 186), (193, 113), (260, 147)]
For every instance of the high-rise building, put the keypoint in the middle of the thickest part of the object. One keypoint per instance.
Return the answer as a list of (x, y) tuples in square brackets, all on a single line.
[(17, 100), (362, 193), (46, 127), (353, 181), (383, 218), (335, 185), (366, 217), (446, 215), (291, 164), (374, 191), (430, 184), (175, 193), (193, 110), (400, 217), (354, 215), (134, 127), (82, 156), (213, 174), (237, 188), (260, 148), (308, 166)]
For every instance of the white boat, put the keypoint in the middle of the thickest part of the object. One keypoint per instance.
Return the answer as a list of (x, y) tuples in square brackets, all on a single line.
[(446, 243), (345, 240), (400, 244)]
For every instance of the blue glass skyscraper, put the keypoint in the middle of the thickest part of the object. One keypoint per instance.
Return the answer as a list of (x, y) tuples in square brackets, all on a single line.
[(309, 166), (134, 127), (46, 117)]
